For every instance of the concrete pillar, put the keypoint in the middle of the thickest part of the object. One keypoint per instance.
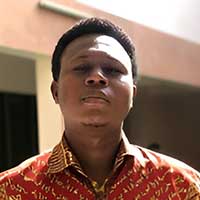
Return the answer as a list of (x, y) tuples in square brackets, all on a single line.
[(50, 123)]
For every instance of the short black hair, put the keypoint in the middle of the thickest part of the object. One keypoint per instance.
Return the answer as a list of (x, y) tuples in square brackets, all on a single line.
[(93, 26)]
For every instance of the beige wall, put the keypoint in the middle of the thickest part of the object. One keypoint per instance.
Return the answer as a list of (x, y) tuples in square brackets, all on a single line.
[(30, 28)]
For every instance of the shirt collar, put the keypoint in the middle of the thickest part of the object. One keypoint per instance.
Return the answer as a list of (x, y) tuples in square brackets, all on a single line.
[(62, 156), (129, 150)]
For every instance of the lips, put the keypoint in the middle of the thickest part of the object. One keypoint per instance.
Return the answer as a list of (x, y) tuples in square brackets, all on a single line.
[(95, 98)]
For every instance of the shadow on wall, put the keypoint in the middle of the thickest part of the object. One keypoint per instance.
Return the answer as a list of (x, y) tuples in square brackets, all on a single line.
[(165, 118)]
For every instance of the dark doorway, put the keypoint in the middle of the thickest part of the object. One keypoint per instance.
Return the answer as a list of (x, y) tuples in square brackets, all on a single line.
[(18, 129)]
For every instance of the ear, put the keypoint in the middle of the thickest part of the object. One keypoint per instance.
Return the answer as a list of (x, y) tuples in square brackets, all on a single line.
[(54, 91), (134, 90), (134, 94)]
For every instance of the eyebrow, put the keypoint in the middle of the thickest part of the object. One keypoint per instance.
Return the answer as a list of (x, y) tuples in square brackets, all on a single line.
[(87, 55)]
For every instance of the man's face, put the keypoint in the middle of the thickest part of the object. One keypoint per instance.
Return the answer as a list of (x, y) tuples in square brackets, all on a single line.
[(95, 85)]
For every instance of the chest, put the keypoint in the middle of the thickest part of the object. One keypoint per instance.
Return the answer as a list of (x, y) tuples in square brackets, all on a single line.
[(130, 184)]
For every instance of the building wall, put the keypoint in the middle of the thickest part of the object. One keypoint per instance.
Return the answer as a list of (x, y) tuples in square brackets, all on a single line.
[(50, 123), (17, 74), (26, 73), (30, 28), (167, 114)]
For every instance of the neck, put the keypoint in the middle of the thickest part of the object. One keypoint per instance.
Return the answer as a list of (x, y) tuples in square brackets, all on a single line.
[(95, 148)]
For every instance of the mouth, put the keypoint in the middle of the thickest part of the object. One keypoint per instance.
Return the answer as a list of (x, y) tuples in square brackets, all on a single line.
[(94, 99)]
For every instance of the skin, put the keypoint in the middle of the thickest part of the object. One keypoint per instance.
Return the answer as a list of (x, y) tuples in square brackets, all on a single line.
[(95, 91)]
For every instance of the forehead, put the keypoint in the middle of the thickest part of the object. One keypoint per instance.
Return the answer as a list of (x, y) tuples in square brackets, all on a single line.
[(96, 43)]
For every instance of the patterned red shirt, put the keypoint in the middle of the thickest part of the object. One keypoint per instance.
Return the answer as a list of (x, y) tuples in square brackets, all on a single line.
[(138, 173)]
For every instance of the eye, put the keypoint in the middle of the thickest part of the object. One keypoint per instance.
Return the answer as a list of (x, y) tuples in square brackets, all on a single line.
[(81, 68), (109, 70)]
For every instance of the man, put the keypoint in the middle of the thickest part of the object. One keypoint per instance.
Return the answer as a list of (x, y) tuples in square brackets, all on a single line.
[(94, 83)]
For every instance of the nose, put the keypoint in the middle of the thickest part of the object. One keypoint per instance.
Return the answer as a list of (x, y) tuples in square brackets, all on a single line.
[(96, 78)]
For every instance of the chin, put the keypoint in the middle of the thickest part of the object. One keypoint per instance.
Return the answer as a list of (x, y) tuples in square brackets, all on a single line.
[(94, 123)]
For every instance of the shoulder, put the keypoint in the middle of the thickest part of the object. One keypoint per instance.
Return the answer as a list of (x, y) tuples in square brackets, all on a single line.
[(36, 163), (161, 160), (16, 183), (173, 170)]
